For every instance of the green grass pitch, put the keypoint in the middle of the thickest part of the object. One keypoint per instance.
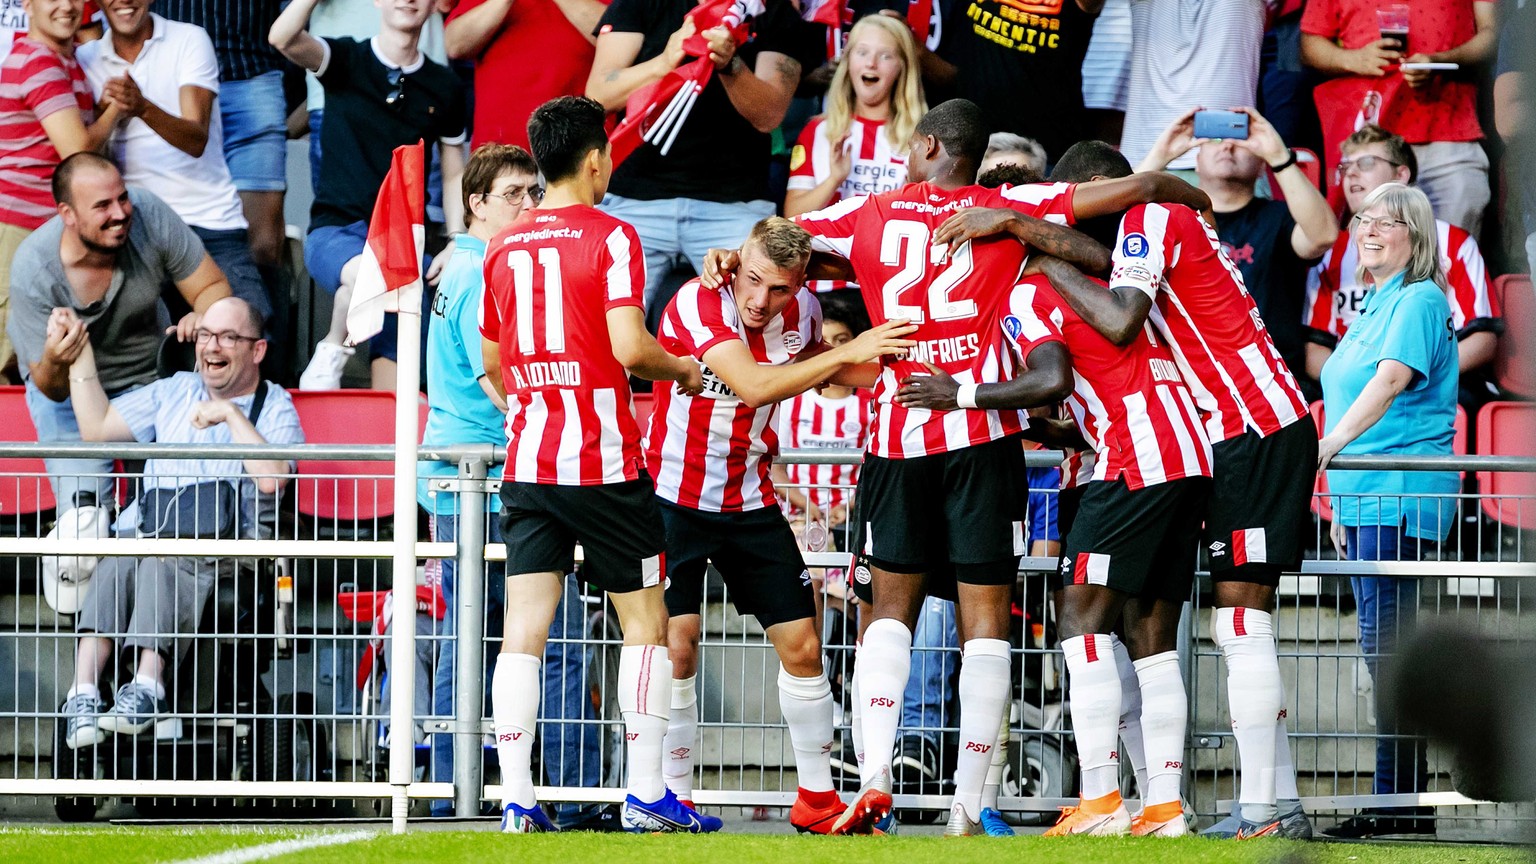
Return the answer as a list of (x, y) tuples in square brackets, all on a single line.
[(151, 845)]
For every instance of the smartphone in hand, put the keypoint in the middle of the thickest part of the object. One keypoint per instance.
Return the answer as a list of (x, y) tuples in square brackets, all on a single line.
[(1221, 124)]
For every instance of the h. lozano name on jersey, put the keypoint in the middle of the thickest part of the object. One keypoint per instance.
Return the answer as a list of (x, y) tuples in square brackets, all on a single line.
[(564, 373)]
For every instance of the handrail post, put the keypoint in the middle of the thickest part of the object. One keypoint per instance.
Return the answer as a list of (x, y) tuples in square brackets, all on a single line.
[(469, 639)]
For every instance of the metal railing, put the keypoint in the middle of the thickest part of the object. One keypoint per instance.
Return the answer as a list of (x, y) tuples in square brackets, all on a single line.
[(274, 710)]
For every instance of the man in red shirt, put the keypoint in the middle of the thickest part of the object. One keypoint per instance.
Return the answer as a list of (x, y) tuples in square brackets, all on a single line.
[(759, 340), (563, 327), (1435, 110), (47, 113), (524, 54)]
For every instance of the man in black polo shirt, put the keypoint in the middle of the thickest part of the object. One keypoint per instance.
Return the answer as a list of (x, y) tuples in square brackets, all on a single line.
[(379, 94), (1271, 242), (712, 186)]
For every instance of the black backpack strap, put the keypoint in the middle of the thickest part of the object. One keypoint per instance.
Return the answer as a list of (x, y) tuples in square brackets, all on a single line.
[(260, 400)]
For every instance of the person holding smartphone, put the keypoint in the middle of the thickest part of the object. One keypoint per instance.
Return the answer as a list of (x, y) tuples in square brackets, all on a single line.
[(1387, 82), (1271, 242)]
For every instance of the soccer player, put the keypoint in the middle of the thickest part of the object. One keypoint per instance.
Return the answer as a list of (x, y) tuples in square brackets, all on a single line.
[(1131, 547), (1169, 269), (562, 328), (759, 340), (928, 474)]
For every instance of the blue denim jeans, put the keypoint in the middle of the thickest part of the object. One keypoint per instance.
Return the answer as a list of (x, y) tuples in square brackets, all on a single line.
[(1388, 607), (255, 118), (570, 752), (673, 228), (934, 661), (55, 421), (231, 250)]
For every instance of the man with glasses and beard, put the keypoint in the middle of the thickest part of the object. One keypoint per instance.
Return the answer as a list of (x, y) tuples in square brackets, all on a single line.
[(107, 257), (152, 605), (380, 93)]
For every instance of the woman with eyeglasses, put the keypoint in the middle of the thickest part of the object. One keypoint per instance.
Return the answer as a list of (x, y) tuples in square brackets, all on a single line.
[(1389, 389), (1373, 156)]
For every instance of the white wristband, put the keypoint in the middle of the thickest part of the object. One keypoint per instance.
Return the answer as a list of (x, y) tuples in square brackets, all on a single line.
[(965, 397)]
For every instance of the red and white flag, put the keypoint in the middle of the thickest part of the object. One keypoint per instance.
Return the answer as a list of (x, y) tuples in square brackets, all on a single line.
[(390, 275), (656, 113)]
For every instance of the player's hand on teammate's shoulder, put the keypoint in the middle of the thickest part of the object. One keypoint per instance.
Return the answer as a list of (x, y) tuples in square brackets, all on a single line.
[(973, 223), (935, 391), (719, 265), (1038, 263), (887, 340)]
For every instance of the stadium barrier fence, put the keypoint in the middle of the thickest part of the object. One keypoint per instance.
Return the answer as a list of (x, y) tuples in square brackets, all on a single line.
[(282, 693)]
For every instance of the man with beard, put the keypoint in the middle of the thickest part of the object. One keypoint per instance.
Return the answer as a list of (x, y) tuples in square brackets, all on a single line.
[(107, 256)]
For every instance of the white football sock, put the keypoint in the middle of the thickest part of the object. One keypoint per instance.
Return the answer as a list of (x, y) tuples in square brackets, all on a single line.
[(993, 786), (682, 735), (984, 692), (515, 692), (1246, 638), (1285, 765), (645, 685), (1094, 688), (856, 711), (806, 704), (1164, 718), (885, 662), (1132, 748)]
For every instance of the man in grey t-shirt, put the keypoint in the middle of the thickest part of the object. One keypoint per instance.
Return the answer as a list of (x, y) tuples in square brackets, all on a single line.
[(108, 256)]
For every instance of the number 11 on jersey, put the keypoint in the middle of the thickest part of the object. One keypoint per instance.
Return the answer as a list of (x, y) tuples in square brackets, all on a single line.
[(530, 296)]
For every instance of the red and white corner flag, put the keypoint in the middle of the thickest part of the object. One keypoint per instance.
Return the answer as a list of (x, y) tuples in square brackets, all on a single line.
[(390, 276)]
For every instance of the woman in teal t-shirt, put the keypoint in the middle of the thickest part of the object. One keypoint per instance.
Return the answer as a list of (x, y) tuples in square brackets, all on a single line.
[(1390, 389)]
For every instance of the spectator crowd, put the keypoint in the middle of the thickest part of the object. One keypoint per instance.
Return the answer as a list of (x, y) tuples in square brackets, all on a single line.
[(1371, 197)]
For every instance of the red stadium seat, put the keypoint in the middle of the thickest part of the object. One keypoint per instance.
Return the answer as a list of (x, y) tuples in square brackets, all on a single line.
[(363, 490), (1514, 367), (1508, 429), (1320, 503), (24, 486)]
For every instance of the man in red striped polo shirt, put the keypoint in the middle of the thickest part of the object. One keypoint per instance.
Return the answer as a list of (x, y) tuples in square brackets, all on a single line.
[(710, 455), (46, 114)]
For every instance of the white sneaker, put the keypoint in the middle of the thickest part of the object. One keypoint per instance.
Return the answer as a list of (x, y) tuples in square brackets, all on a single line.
[(324, 369)]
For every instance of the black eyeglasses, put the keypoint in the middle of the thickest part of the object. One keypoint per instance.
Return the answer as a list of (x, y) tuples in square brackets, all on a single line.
[(515, 195), (396, 93), (227, 339)]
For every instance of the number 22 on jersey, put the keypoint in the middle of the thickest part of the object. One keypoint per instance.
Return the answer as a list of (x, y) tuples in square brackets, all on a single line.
[(907, 244)]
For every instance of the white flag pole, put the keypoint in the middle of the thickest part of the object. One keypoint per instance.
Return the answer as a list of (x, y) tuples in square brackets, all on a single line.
[(402, 643)]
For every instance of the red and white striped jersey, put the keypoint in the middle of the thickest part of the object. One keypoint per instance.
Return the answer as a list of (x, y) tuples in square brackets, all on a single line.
[(814, 421), (551, 278), (877, 167), (1130, 402), (1334, 297), (712, 451), (1204, 313), (888, 240)]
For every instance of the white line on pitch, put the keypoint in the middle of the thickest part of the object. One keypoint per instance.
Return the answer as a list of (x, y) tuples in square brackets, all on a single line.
[(281, 847)]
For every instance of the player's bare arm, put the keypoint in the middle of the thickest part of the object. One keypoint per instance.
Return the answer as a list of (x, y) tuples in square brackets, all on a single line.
[(759, 385), (639, 352), (1117, 314), (1046, 380), (1038, 234), (1103, 197)]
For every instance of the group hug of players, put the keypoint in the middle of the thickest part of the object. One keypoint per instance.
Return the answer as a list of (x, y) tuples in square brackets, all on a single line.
[(1187, 429)]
